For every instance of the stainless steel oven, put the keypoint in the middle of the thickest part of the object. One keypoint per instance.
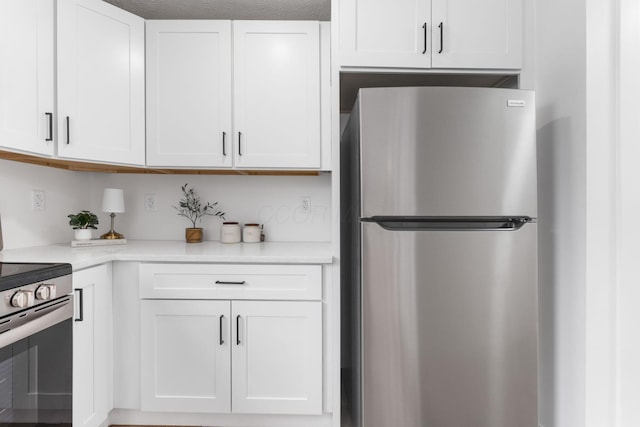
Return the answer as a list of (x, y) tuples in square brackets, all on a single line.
[(36, 310)]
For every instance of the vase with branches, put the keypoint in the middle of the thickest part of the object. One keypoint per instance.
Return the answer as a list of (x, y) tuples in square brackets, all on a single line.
[(190, 207)]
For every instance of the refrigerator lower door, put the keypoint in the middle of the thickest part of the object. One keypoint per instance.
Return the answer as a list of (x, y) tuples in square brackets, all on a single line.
[(449, 335)]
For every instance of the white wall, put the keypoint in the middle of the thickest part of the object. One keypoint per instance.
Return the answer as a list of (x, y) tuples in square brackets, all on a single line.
[(274, 201), (65, 193), (577, 79), (560, 84), (628, 298)]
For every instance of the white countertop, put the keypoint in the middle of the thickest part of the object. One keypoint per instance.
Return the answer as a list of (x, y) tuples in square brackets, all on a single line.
[(176, 251)]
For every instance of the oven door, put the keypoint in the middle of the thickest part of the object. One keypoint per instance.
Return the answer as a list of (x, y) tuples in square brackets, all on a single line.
[(36, 365)]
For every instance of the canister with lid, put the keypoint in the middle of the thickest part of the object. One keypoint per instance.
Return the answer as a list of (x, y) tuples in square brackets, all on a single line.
[(230, 232), (251, 233)]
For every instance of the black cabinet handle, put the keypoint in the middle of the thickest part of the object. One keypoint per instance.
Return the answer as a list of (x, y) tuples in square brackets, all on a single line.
[(220, 282), (238, 329), (221, 340), (424, 27), (68, 137), (80, 305), (239, 143), (50, 116), (441, 26), (224, 145)]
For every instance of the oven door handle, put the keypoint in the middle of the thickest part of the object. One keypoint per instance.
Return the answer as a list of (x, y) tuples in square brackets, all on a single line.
[(39, 323)]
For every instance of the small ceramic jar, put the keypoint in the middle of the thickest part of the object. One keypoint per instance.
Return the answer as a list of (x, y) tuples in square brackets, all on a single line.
[(251, 233), (230, 232)]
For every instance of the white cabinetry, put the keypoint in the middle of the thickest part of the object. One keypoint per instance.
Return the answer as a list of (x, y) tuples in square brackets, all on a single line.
[(26, 75), (100, 83), (92, 347), (480, 34), (232, 354), (476, 34), (189, 93), (186, 358), (276, 94), (277, 357)]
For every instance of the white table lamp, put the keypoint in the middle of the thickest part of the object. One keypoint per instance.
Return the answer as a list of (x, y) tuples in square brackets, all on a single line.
[(113, 202)]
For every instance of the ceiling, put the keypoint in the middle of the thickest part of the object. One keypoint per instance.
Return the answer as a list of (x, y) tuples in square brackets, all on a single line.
[(313, 10)]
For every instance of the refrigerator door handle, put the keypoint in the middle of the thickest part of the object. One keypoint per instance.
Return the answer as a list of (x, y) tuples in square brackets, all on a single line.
[(398, 223)]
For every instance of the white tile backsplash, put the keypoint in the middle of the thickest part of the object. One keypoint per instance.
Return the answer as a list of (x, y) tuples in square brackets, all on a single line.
[(275, 201), (65, 192)]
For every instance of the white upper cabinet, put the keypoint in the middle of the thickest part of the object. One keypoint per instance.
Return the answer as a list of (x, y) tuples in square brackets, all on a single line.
[(453, 34), (276, 94), (385, 33), (476, 34), (189, 93), (27, 75), (273, 118), (100, 83)]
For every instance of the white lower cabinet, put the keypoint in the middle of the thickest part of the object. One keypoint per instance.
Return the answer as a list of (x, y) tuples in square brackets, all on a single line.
[(277, 357), (186, 357), (92, 347), (230, 356)]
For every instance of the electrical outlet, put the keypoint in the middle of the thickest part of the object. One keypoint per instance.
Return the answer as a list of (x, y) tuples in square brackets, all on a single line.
[(38, 200), (150, 202), (306, 205)]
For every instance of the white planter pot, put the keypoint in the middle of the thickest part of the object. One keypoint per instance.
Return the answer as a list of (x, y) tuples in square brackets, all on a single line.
[(82, 234)]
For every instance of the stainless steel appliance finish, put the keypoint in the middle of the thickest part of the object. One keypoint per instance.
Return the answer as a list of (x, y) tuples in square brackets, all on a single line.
[(36, 335), (447, 152), (439, 259), (31, 321), (32, 294)]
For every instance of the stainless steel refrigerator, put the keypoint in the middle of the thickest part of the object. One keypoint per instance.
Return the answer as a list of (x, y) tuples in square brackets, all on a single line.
[(439, 258)]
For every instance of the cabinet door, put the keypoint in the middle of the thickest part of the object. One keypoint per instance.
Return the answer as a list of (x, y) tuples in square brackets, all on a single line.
[(385, 33), (276, 94), (477, 34), (26, 75), (189, 93), (92, 362), (186, 356), (277, 357), (100, 83)]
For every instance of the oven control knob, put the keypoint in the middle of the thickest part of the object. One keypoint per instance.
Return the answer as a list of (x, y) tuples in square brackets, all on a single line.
[(45, 292), (22, 299)]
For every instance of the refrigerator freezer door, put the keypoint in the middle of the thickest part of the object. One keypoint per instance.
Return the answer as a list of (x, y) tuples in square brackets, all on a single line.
[(436, 151), (449, 328)]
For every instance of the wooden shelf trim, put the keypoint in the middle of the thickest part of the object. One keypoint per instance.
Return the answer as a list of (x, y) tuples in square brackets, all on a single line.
[(106, 168)]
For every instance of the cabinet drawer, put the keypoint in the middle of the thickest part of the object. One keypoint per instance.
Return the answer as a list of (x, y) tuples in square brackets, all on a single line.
[(231, 281)]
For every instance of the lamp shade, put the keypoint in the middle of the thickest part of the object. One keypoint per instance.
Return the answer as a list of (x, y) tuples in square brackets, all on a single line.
[(113, 200)]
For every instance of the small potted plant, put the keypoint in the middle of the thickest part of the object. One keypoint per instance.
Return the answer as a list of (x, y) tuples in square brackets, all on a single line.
[(82, 223), (192, 208)]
